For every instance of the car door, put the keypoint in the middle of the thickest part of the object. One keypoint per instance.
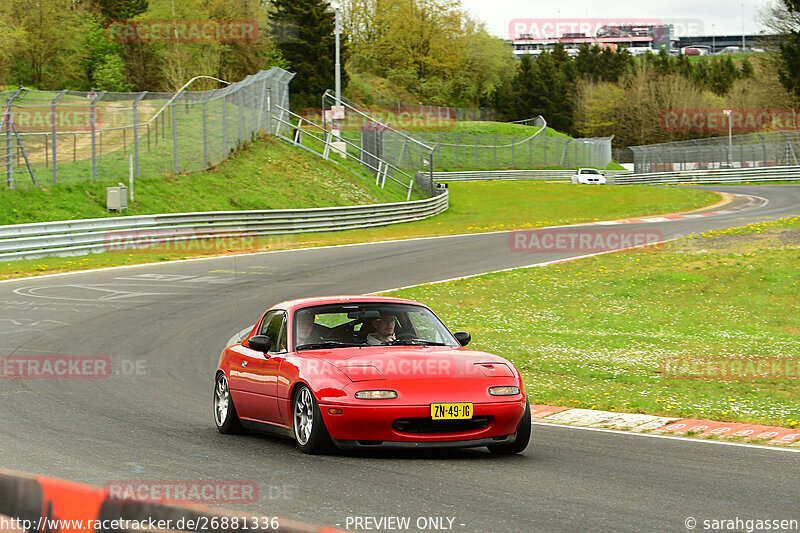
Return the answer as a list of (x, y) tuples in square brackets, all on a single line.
[(254, 374)]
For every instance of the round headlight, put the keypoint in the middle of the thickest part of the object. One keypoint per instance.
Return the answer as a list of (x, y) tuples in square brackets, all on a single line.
[(376, 394), (503, 391)]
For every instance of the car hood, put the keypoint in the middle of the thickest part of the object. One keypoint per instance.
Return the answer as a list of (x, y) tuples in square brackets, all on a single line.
[(404, 362)]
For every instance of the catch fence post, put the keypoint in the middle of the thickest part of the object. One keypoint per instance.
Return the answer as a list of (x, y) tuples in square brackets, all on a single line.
[(93, 118), (53, 122), (136, 131)]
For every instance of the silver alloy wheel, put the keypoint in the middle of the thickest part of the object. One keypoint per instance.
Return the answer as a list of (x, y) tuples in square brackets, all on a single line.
[(222, 398), (303, 416)]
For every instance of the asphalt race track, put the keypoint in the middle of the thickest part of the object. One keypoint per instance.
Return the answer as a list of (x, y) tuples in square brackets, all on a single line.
[(164, 325)]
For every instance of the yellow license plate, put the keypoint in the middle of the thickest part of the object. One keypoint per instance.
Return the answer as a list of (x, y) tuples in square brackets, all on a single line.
[(450, 411)]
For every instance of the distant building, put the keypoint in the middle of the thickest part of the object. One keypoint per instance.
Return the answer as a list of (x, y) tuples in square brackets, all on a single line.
[(637, 39)]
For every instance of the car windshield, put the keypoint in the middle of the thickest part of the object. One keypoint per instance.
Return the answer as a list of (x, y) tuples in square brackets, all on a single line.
[(589, 171), (368, 324)]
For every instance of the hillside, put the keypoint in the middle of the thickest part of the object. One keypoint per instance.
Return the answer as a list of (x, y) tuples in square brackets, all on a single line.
[(267, 174)]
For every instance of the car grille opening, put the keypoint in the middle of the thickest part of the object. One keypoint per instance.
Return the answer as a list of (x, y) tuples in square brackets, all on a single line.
[(428, 425)]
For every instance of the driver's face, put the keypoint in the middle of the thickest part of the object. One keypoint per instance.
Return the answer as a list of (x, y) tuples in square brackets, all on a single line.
[(385, 326), (305, 323)]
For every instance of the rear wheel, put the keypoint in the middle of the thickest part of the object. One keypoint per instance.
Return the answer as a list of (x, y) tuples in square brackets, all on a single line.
[(224, 411), (309, 429), (523, 436)]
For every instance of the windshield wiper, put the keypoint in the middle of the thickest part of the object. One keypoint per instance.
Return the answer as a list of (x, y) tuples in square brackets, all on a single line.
[(326, 344), (415, 342)]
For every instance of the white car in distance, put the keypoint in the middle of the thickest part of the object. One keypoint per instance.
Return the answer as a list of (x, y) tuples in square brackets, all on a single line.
[(588, 176)]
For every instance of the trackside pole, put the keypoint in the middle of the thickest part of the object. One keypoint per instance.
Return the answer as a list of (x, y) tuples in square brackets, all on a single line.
[(130, 176)]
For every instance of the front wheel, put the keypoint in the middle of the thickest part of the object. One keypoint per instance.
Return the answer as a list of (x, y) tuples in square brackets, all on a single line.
[(309, 429), (224, 411), (523, 436)]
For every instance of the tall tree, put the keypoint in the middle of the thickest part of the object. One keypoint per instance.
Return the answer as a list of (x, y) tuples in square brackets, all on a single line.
[(524, 99), (560, 55), (747, 68), (304, 33), (486, 63), (423, 47), (784, 17), (121, 9), (12, 39), (587, 62), (553, 96), (50, 52), (721, 75)]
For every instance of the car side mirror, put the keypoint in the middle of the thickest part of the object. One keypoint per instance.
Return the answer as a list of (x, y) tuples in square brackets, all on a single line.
[(260, 343), (463, 337)]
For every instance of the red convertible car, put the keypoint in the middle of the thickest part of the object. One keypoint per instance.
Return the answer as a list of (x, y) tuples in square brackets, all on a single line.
[(366, 372)]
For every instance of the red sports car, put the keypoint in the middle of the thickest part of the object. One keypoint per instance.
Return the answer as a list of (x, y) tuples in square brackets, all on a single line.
[(365, 372)]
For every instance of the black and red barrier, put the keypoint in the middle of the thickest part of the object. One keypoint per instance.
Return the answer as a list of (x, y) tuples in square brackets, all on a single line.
[(36, 504)]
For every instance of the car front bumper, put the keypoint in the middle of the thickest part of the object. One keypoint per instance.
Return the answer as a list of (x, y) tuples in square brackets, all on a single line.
[(472, 443), (377, 424)]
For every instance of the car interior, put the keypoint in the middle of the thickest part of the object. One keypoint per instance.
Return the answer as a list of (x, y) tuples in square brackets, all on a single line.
[(353, 327)]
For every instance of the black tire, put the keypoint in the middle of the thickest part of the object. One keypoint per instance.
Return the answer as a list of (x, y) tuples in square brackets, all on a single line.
[(523, 436), (225, 416), (308, 427)]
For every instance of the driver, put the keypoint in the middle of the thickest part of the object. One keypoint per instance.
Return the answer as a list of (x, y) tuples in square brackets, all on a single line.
[(307, 331), (384, 329)]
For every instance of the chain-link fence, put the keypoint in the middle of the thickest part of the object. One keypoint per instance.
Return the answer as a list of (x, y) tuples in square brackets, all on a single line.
[(779, 148), (57, 137), (493, 152), (451, 150)]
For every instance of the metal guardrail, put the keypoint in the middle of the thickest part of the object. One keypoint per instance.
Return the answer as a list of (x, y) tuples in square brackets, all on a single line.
[(481, 175), (77, 237), (727, 175)]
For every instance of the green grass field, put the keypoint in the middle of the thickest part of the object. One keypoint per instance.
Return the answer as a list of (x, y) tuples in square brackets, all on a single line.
[(484, 146), (268, 174), (474, 207), (597, 333)]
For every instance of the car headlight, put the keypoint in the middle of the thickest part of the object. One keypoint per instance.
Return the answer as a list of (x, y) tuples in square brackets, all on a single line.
[(376, 394), (503, 391)]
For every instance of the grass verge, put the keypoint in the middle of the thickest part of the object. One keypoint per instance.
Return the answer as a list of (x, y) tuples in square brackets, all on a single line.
[(475, 207), (600, 333)]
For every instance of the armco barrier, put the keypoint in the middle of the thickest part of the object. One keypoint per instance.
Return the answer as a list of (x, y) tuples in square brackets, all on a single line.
[(36, 501), (484, 175), (723, 175), (74, 237)]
